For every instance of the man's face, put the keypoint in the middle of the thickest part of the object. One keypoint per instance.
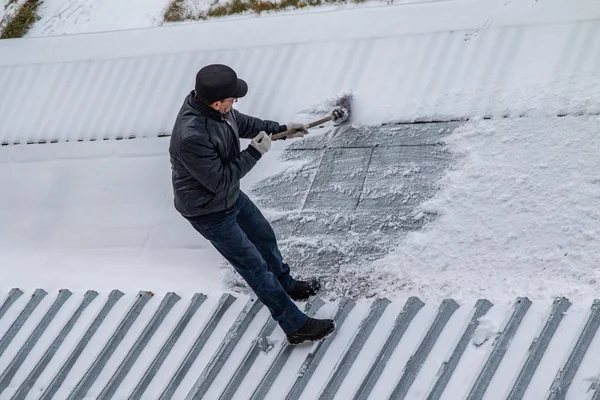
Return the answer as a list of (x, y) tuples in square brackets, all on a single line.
[(224, 106)]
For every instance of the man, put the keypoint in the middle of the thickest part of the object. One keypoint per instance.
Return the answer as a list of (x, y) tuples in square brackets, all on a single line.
[(207, 165)]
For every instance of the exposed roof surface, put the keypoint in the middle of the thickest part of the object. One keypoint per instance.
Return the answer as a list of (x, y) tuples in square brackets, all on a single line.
[(357, 192)]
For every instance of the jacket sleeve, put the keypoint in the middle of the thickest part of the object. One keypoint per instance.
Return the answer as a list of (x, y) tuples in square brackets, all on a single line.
[(249, 127), (201, 159)]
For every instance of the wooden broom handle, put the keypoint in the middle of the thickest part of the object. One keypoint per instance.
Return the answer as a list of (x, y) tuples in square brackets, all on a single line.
[(311, 125)]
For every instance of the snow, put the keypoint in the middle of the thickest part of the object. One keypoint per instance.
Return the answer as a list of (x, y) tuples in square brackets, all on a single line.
[(486, 330), (517, 215), (518, 203), (68, 17), (534, 58), (65, 17), (99, 215)]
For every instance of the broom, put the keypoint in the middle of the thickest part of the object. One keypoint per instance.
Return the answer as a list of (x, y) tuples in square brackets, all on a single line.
[(340, 114)]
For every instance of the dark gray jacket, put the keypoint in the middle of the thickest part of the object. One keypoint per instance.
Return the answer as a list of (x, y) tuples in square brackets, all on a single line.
[(206, 161)]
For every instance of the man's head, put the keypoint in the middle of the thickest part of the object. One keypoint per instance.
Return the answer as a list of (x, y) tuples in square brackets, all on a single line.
[(218, 86)]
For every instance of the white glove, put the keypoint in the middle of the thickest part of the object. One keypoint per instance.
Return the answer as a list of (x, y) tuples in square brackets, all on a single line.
[(262, 142), (301, 130)]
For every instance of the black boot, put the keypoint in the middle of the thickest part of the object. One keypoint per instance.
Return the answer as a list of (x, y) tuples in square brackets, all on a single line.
[(313, 329), (304, 289)]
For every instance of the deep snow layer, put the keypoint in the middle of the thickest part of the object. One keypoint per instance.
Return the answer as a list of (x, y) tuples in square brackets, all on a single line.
[(100, 214), (518, 215), (426, 61)]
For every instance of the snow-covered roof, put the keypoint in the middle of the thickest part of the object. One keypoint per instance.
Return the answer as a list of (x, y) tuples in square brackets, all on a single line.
[(142, 345), (434, 60), (89, 214)]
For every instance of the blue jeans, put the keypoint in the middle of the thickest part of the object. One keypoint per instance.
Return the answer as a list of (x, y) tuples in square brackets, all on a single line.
[(246, 239)]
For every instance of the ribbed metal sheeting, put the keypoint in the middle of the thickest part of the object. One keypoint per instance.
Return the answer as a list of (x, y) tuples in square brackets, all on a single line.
[(148, 346), (446, 71)]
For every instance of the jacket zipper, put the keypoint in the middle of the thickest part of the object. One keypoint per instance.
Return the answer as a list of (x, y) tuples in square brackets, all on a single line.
[(227, 192)]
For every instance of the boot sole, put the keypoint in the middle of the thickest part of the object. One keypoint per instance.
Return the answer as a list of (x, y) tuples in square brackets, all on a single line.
[(294, 342)]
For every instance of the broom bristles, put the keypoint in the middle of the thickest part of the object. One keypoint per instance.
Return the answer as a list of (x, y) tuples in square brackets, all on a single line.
[(343, 108), (345, 101)]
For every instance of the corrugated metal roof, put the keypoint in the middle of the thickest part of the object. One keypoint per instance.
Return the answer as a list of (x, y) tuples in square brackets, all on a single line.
[(131, 83), (167, 346)]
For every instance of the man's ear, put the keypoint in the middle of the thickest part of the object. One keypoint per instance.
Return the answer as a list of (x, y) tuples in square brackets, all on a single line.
[(216, 105)]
